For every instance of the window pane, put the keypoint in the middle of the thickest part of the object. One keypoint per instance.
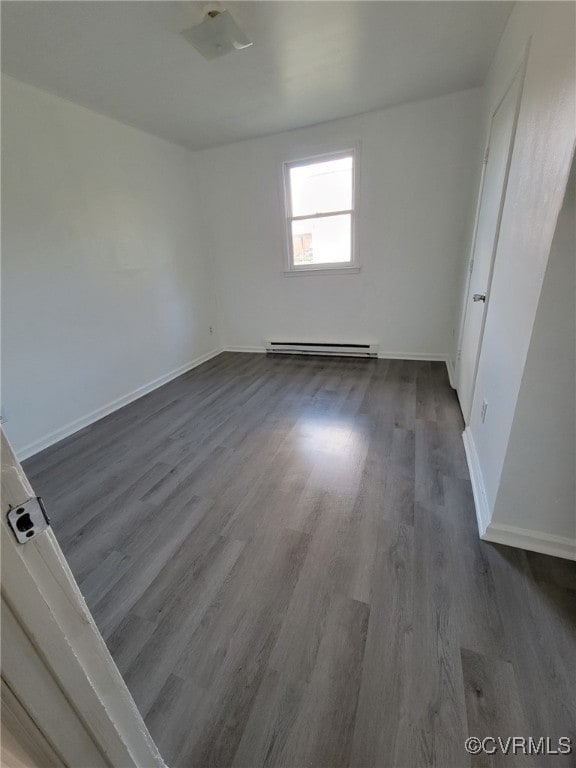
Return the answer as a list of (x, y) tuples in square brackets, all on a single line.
[(322, 241), (321, 187)]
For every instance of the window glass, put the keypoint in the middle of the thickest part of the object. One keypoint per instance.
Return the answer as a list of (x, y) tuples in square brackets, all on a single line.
[(326, 240), (321, 187)]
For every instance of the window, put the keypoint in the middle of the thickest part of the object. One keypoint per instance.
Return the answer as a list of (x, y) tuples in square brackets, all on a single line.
[(320, 212)]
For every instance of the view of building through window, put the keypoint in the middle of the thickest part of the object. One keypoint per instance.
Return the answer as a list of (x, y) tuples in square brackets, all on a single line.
[(320, 210), (302, 246)]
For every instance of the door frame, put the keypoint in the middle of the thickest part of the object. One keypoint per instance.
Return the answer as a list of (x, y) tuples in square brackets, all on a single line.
[(40, 593), (519, 72), (23, 743)]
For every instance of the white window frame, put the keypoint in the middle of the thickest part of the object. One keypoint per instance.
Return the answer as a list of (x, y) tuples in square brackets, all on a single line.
[(336, 267)]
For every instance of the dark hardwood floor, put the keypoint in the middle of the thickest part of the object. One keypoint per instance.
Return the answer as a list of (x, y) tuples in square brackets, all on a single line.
[(282, 555)]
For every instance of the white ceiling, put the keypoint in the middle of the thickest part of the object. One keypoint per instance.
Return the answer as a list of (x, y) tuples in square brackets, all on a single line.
[(310, 62)]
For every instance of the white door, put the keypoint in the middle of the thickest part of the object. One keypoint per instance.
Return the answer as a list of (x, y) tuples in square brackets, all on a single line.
[(497, 163), (23, 744), (56, 670)]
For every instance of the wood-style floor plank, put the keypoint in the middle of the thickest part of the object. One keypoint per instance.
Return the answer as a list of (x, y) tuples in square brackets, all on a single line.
[(493, 708), (282, 555)]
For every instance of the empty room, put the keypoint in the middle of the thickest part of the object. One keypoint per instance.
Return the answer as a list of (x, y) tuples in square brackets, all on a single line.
[(288, 384)]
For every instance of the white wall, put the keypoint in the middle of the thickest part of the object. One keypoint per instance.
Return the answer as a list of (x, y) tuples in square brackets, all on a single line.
[(106, 282), (538, 488), (538, 174), (417, 174)]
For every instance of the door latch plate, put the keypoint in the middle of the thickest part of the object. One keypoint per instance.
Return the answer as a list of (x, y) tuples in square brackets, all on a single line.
[(28, 519)]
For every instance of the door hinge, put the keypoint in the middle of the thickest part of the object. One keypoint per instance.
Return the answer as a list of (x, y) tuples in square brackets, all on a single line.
[(28, 519)]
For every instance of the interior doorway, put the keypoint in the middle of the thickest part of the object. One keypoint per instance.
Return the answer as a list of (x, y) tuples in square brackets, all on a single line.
[(493, 193)]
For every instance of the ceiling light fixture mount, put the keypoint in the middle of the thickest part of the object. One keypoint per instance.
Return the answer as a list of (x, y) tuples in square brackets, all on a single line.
[(217, 35)]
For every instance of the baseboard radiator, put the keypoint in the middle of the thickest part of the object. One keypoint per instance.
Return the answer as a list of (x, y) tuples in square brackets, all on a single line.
[(322, 348)]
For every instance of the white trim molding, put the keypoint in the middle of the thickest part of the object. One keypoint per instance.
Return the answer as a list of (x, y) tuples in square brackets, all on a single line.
[(430, 356), (351, 270), (99, 413), (476, 478), (451, 372), (257, 350), (536, 541), (511, 535)]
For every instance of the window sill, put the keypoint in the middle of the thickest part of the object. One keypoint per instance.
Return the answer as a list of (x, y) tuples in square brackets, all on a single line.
[(322, 271)]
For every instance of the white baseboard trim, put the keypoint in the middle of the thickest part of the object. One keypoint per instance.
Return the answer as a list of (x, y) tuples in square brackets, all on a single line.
[(434, 357), (480, 501), (536, 541), (245, 349), (499, 533), (451, 372), (75, 426)]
